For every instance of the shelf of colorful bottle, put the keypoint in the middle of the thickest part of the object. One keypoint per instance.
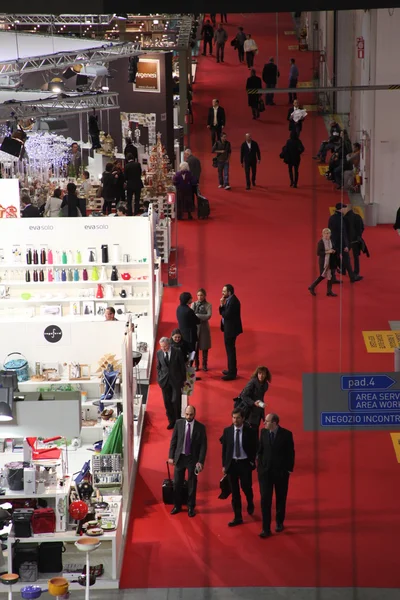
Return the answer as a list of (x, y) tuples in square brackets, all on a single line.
[(68, 265), (80, 282), (128, 299)]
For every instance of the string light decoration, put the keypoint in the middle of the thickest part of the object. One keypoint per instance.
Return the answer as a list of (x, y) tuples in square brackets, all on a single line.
[(47, 153)]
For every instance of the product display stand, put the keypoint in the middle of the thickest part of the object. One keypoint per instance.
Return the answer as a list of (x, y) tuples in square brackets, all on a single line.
[(88, 548)]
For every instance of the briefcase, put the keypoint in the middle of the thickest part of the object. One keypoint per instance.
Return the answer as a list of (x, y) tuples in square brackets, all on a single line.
[(168, 490)]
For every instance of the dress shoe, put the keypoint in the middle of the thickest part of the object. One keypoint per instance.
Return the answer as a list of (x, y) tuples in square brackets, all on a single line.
[(291, 185), (235, 522), (171, 426), (312, 291), (272, 104), (250, 509), (225, 372), (279, 527), (205, 368), (191, 512), (358, 278), (264, 534), (253, 183), (295, 185), (336, 281), (228, 377), (248, 188), (331, 294), (176, 510)]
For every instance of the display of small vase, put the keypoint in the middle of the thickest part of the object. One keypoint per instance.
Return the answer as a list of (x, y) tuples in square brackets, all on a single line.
[(114, 274), (50, 275), (27, 276), (78, 257), (122, 294), (95, 274), (64, 258), (50, 257), (125, 276), (70, 276), (115, 253), (85, 275), (100, 291), (91, 254), (63, 275), (103, 274), (41, 275), (29, 257), (43, 256), (104, 253), (35, 276), (57, 275), (76, 275), (35, 257)]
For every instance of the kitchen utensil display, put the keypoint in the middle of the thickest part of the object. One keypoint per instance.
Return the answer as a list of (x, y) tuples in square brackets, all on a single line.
[(100, 291), (109, 292), (126, 258), (104, 253), (86, 544), (103, 274), (91, 254), (126, 276), (114, 274), (100, 505), (82, 580), (78, 257), (35, 257), (78, 511), (95, 274), (43, 256), (50, 257), (31, 592), (58, 586), (122, 294), (29, 257), (115, 253), (64, 258), (95, 531), (84, 275)]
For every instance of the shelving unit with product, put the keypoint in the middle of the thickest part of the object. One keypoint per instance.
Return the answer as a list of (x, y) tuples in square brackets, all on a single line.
[(158, 181)]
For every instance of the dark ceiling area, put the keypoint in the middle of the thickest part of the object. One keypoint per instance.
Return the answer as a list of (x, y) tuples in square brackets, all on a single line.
[(145, 7)]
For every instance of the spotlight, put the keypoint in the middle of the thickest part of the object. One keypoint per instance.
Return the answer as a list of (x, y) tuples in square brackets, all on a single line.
[(68, 73)]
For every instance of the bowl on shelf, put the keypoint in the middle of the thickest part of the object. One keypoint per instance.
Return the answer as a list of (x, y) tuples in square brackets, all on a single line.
[(94, 531), (58, 586), (9, 578), (137, 357), (87, 544)]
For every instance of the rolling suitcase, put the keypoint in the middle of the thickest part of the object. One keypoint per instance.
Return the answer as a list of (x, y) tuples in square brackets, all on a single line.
[(168, 490), (203, 207)]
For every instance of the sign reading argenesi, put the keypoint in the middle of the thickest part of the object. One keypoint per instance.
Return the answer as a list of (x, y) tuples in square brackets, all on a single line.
[(148, 76)]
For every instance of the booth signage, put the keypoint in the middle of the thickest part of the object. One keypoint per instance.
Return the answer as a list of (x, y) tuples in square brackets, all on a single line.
[(360, 47), (52, 334), (364, 401), (148, 76)]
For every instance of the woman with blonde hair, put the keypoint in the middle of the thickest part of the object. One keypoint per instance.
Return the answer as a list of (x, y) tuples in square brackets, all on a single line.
[(203, 310), (327, 263), (251, 399), (184, 182)]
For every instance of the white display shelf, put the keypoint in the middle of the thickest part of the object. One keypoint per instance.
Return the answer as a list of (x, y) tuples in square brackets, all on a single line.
[(101, 583), (62, 536), (20, 265), (93, 379), (80, 282), (73, 299), (48, 493)]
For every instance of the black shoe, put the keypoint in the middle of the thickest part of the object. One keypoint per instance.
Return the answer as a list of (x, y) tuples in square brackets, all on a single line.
[(248, 188), (312, 291), (253, 183), (205, 368), (175, 510), (171, 426), (235, 522), (331, 294), (228, 377), (217, 61), (225, 372), (291, 185), (279, 527), (358, 278), (295, 185), (265, 534), (191, 512), (250, 509), (272, 104)]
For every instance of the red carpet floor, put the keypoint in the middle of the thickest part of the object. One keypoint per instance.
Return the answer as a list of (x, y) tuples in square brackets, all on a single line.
[(342, 521)]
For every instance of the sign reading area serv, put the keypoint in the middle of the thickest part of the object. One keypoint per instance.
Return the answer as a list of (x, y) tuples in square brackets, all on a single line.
[(351, 401), (148, 76)]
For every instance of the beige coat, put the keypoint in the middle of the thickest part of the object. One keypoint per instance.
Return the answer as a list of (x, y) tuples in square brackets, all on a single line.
[(203, 310)]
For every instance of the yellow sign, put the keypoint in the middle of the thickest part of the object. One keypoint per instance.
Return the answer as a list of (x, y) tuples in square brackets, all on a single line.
[(396, 444), (322, 170), (381, 341), (305, 84), (310, 107), (357, 209), (289, 32), (293, 47)]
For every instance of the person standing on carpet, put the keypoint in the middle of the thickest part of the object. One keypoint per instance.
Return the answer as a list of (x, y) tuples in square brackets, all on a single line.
[(340, 242), (249, 156), (293, 79), (270, 77), (216, 121), (187, 451), (327, 263), (296, 126), (187, 321), (291, 154), (171, 375), (251, 398), (207, 33), (194, 168), (184, 183), (240, 40), (203, 311), (134, 184), (231, 325), (275, 464), (220, 39), (250, 50), (254, 83), (239, 448), (223, 150)]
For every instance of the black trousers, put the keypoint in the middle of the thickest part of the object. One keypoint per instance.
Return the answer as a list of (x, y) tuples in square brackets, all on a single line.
[(215, 133), (129, 195), (268, 482), (220, 52), (269, 98), (346, 265), (355, 247), (207, 42), (107, 205), (294, 173), (230, 347), (224, 16), (185, 463), (255, 111), (292, 95), (240, 475), (173, 402), (250, 166), (240, 50), (250, 58)]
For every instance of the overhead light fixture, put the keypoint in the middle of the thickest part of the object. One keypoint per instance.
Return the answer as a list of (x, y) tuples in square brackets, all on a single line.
[(69, 73), (56, 85), (94, 71)]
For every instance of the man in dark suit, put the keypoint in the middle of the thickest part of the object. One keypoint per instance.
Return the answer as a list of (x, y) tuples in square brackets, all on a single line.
[(249, 156), (231, 325), (171, 375), (239, 448), (130, 149), (275, 463), (207, 33), (270, 77), (216, 121), (253, 100), (134, 184), (187, 450), (340, 242), (27, 209)]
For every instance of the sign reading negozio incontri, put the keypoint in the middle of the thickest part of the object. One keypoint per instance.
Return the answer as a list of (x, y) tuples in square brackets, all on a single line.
[(351, 401)]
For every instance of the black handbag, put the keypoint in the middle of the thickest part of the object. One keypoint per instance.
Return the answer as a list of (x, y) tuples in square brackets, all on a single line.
[(215, 162), (24, 553), (225, 487), (50, 557)]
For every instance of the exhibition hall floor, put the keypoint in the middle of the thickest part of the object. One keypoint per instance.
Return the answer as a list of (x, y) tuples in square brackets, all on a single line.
[(342, 513)]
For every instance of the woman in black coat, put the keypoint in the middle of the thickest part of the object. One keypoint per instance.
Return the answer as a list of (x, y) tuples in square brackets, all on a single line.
[(327, 261), (254, 83), (251, 399), (179, 343), (109, 183), (291, 154), (187, 320)]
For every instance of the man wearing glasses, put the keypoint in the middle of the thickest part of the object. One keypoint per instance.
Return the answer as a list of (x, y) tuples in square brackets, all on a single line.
[(275, 464)]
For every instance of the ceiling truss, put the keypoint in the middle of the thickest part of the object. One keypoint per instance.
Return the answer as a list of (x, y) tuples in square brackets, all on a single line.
[(9, 19)]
